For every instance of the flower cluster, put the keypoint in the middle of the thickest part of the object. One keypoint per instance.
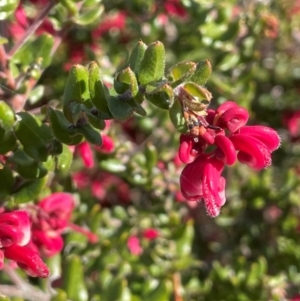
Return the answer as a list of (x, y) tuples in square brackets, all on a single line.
[(225, 129), (50, 218), (15, 233), (133, 242)]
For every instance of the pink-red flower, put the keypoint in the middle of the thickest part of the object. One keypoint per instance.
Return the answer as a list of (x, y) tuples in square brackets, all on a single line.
[(15, 233), (50, 218), (202, 179), (232, 140), (14, 228), (150, 234), (86, 153), (291, 121), (133, 244), (107, 146), (28, 260)]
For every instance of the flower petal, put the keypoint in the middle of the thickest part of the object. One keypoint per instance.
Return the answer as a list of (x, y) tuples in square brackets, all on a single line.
[(185, 147), (265, 134), (191, 179), (86, 154), (14, 228), (252, 151), (27, 260), (213, 189), (227, 148), (234, 118)]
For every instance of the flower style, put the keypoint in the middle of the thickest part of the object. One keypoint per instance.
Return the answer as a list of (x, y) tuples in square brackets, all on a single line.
[(233, 140)]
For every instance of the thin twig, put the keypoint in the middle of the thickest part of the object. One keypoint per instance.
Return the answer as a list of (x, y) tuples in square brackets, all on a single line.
[(32, 28), (21, 288), (177, 287), (28, 294)]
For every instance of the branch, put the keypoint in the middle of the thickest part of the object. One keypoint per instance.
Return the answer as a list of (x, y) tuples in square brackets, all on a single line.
[(21, 288), (32, 28)]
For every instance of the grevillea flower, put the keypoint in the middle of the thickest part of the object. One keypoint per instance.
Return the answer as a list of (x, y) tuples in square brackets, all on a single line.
[(202, 179), (1, 259), (233, 140), (296, 298), (14, 228), (27, 260), (49, 242), (175, 8), (150, 234), (86, 154), (107, 146), (50, 218), (15, 233), (291, 121), (56, 210), (133, 244), (115, 21)]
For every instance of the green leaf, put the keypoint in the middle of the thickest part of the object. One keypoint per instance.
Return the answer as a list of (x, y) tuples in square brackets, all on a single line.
[(73, 279), (119, 108), (7, 181), (76, 93), (62, 129), (8, 142), (181, 72), (159, 294), (89, 16), (7, 116), (199, 97), (64, 160), (231, 32), (137, 56), (151, 157), (112, 165), (162, 97), (114, 290), (94, 118), (152, 67), (177, 117), (99, 93), (7, 7), (202, 73), (33, 135), (36, 52), (36, 94), (70, 6), (91, 135), (126, 80), (229, 61), (26, 166), (184, 238), (29, 191), (59, 296)]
